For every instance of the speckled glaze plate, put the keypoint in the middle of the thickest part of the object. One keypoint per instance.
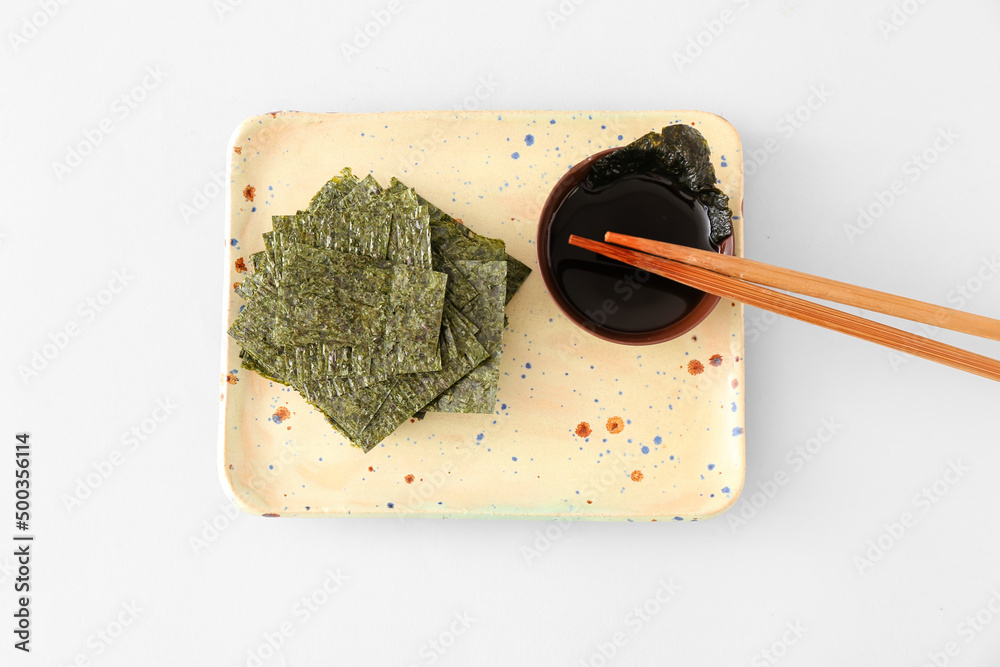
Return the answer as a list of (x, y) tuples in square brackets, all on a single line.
[(582, 428)]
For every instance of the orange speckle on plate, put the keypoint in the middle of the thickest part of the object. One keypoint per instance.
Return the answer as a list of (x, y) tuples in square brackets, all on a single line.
[(636, 475), (237, 149), (236, 285), (248, 192), (583, 429), (274, 114), (735, 383), (715, 360), (616, 425), (371, 469), (231, 378), (409, 479), (590, 502), (281, 414), (695, 367), (241, 266)]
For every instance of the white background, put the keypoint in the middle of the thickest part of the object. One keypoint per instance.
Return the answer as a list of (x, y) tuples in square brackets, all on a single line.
[(883, 84)]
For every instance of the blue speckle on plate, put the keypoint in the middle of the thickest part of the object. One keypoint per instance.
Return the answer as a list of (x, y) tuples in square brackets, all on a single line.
[(515, 155), (529, 139)]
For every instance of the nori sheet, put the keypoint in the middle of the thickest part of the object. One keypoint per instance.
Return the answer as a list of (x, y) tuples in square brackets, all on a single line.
[(443, 227), (327, 296), (679, 153), (459, 291), (477, 391), (400, 397), (362, 220), (330, 296), (374, 303)]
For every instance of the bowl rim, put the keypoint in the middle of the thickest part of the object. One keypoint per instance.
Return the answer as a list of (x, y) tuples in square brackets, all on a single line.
[(573, 177)]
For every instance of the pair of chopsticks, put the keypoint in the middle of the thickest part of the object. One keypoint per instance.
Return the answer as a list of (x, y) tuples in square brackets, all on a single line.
[(746, 281)]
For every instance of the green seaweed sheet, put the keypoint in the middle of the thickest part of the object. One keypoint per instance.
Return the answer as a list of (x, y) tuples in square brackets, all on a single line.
[(330, 297), (367, 417), (359, 218), (375, 305), (446, 230), (680, 153), (477, 391)]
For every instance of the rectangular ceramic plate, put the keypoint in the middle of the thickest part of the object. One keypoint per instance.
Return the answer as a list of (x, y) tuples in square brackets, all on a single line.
[(680, 455)]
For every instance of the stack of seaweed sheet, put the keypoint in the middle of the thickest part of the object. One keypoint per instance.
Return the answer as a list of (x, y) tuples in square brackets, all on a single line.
[(376, 306)]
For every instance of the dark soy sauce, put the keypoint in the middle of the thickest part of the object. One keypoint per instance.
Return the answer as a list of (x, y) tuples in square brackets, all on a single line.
[(612, 294)]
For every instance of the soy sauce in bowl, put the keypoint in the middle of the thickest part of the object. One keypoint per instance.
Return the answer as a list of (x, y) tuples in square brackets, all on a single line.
[(611, 299)]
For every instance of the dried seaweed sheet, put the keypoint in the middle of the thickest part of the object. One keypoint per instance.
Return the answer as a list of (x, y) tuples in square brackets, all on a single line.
[(679, 153), (398, 398), (342, 191), (477, 391), (376, 305), (248, 362), (443, 227), (410, 235), (359, 219), (330, 296), (417, 304), (351, 413), (257, 320), (251, 329), (517, 273), (409, 343), (459, 291)]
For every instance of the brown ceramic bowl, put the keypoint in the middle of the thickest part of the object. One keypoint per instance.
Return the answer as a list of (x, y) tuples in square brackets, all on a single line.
[(689, 321)]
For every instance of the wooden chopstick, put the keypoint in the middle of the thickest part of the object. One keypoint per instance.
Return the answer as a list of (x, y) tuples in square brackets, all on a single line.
[(821, 288), (806, 311)]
